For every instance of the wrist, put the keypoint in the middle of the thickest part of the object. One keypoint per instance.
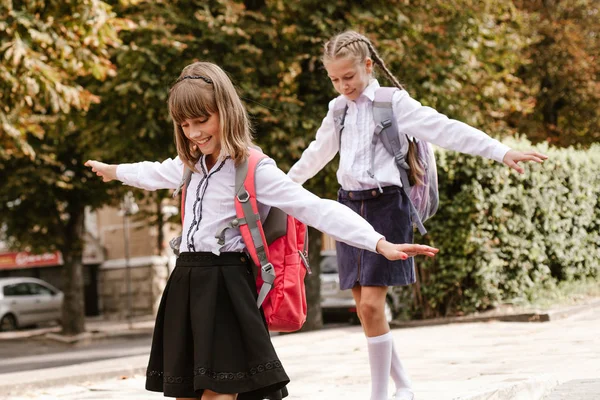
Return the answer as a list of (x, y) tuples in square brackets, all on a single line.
[(113, 171), (380, 247)]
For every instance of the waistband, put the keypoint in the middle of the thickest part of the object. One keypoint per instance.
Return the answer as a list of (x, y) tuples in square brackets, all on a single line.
[(208, 259), (366, 194)]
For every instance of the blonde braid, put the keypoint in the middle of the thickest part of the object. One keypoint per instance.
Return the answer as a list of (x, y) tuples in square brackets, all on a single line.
[(379, 61)]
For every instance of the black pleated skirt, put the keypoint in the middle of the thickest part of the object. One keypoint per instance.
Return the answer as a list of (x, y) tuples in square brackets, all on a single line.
[(209, 334)]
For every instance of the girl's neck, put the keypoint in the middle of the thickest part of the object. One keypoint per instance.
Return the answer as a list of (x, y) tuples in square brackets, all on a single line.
[(210, 160)]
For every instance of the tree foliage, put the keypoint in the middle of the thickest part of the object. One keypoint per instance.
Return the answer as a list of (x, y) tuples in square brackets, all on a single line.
[(45, 47), (562, 69)]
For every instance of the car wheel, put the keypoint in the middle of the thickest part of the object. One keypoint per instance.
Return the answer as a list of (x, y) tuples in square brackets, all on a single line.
[(389, 310), (8, 323)]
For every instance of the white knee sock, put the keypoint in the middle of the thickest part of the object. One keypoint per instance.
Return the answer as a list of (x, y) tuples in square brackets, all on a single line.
[(398, 373), (380, 359)]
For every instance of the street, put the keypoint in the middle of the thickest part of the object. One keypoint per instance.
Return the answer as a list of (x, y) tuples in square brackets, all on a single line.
[(37, 353)]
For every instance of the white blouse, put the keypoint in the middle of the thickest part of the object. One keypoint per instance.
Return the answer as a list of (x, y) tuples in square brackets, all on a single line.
[(413, 119), (210, 203)]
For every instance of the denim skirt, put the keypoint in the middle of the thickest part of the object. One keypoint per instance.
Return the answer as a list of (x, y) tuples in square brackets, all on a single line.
[(209, 334), (389, 213)]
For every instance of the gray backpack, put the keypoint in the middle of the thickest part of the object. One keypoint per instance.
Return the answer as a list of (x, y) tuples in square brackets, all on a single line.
[(424, 198)]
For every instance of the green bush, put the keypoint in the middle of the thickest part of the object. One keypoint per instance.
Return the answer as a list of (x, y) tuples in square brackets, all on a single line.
[(504, 237)]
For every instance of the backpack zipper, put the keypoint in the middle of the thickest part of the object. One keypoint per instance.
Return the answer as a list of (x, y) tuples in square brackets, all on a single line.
[(304, 253)]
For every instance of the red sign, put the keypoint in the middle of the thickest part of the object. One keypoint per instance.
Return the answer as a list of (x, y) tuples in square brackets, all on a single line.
[(24, 259)]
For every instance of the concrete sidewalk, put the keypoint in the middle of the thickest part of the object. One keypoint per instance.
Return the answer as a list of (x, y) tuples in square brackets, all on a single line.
[(476, 361)]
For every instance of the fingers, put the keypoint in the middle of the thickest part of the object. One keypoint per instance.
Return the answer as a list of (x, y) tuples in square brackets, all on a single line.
[(399, 255), (538, 158), (417, 249), (92, 164), (96, 167), (512, 164), (536, 154)]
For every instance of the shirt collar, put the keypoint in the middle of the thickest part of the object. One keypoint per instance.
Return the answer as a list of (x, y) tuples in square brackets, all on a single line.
[(369, 91)]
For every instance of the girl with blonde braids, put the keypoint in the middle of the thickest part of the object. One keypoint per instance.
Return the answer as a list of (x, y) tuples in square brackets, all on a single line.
[(376, 194)]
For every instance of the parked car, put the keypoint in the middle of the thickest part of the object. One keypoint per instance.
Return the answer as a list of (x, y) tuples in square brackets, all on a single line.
[(28, 301), (336, 303)]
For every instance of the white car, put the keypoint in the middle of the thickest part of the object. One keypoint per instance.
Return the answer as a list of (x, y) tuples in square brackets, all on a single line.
[(340, 303), (28, 301)]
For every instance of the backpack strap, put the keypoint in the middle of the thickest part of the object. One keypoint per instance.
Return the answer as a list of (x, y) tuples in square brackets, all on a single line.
[(249, 223), (340, 109), (396, 143)]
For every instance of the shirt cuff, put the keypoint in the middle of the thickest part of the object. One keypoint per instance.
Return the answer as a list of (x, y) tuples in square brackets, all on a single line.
[(127, 173), (499, 152), (372, 241)]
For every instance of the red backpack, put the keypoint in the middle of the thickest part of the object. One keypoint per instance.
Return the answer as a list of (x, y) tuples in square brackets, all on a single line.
[(278, 246)]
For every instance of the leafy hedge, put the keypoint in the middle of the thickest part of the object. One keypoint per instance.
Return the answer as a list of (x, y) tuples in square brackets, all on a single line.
[(506, 237)]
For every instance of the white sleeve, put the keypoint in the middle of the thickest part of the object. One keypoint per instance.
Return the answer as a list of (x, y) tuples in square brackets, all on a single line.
[(152, 175), (427, 124), (275, 189), (319, 152)]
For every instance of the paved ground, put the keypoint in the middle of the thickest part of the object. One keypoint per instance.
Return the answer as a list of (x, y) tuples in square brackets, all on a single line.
[(578, 389), (475, 361)]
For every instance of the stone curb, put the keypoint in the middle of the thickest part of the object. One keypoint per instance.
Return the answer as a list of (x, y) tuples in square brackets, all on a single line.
[(541, 316), (96, 329)]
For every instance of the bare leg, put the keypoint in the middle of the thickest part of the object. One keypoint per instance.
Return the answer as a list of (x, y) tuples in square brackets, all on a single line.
[(370, 306), (210, 395)]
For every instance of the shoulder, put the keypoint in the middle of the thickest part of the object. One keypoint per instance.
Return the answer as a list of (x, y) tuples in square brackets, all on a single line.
[(266, 163), (267, 167), (403, 102), (337, 102), (400, 95), (332, 104)]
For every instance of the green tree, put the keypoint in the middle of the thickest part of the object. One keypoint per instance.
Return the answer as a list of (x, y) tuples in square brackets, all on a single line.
[(45, 47), (561, 67)]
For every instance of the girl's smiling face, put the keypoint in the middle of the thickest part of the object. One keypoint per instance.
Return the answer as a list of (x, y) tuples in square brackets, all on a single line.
[(349, 78), (204, 132)]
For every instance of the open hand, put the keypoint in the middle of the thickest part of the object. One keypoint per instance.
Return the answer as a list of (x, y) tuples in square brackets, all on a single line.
[(107, 172), (393, 251), (513, 157)]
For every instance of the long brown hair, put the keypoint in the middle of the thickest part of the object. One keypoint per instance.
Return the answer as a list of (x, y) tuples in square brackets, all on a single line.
[(353, 45), (204, 89)]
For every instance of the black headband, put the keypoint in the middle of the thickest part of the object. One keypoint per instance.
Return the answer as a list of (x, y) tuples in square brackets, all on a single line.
[(205, 79)]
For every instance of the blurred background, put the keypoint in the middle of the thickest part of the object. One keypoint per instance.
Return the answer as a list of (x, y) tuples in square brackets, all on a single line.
[(89, 79)]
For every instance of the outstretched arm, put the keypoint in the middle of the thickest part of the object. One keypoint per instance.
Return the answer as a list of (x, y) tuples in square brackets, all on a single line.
[(144, 175), (275, 189), (427, 124), (319, 152)]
